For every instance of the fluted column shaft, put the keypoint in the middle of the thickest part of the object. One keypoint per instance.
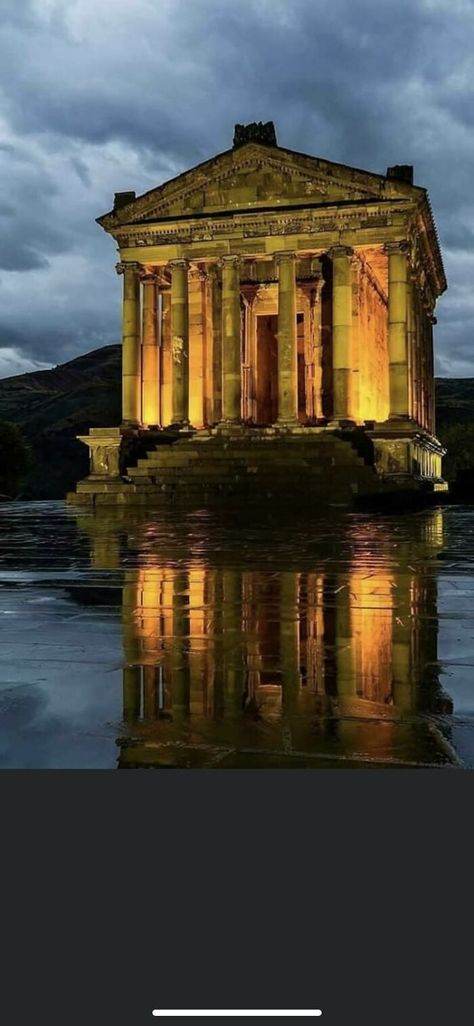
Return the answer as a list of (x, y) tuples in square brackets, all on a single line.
[(342, 356), (216, 301), (179, 343), (150, 354), (287, 353), (131, 350), (230, 334), (397, 329)]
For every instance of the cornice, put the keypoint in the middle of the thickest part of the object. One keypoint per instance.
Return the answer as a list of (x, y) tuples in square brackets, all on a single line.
[(255, 225)]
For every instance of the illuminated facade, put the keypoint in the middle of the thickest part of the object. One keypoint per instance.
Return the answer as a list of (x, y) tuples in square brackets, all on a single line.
[(270, 291)]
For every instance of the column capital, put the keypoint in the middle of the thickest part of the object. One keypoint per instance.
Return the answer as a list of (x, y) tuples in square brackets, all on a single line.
[(340, 251), (181, 263), (128, 265), (148, 277), (231, 260), (198, 274), (396, 247), (284, 255)]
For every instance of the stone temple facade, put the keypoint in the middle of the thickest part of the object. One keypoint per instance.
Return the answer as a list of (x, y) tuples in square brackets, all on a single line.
[(278, 314)]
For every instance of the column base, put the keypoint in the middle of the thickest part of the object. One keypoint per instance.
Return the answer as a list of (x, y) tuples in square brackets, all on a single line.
[(181, 425), (340, 424), (230, 423), (287, 423)]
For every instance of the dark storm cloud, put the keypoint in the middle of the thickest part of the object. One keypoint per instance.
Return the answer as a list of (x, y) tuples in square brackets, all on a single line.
[(99, 97)]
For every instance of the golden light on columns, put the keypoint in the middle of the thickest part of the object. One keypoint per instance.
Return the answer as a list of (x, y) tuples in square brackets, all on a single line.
[(150, 352), (231, 354), (179, 342), (397, 253), (287, 353), (131, 347), (315, 407), (342, 355), (215, 280)]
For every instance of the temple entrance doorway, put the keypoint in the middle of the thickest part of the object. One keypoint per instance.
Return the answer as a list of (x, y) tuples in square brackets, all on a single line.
[(267, 369)]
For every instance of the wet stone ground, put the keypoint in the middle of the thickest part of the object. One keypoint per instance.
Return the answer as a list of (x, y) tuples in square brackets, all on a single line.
[(156, 639)]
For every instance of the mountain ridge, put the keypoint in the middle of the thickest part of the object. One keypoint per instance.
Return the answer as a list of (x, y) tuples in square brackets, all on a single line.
[(53, 406)]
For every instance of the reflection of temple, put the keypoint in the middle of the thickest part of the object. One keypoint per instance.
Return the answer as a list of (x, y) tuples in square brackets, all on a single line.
[(271, 294), (254, 668)]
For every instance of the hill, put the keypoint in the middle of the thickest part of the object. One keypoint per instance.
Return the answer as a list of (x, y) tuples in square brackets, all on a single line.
[(454, 402), (53, 406)]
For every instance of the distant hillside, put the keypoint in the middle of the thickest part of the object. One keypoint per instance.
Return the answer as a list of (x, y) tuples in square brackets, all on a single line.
[(454, 401), (53, 406)]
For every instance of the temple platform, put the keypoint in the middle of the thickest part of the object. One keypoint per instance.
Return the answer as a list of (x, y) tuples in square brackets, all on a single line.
[(303, 465)]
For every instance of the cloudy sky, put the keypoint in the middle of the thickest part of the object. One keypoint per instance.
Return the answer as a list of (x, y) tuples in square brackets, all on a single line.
[(98, 96)]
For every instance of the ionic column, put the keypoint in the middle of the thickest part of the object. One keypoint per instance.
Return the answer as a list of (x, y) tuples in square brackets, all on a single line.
[(411, 345), (316, 337), (150, 353), (432, 412), (418, 353), (342, 357), (287, 352), (231, 356), (216, 306), (397, 329), (179, 343), (131, 355)]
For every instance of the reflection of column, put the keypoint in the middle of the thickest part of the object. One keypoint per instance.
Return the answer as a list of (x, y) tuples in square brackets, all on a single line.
[(150, 693), (131, 356), (397, 328), (179, 657), (342, 357), (150, 353), (402, 685), (216, 606), (345, 669), (287, 352), (232, 639), (231, 397), (179, 342), (131, 671), (289, 641)]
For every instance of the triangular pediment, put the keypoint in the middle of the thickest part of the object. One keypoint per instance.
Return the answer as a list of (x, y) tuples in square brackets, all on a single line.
[(253, 176)]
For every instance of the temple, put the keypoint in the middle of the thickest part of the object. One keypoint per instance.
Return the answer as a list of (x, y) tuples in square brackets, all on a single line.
[(280, 307)]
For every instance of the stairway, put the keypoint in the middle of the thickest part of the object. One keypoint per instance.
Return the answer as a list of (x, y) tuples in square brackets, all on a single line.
[(251, 465)]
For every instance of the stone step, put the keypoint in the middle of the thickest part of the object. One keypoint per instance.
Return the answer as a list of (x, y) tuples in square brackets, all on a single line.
[(251, 456)]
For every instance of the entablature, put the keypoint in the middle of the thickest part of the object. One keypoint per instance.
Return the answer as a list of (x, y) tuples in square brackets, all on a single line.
[(250, 225)]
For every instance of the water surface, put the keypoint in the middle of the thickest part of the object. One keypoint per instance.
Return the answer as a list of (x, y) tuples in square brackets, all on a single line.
[(134, 639)]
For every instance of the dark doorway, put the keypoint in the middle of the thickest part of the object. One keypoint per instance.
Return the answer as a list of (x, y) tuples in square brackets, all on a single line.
[(267, 369)]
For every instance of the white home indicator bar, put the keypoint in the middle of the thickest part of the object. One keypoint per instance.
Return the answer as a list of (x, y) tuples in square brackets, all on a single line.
[(163, 1013)]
